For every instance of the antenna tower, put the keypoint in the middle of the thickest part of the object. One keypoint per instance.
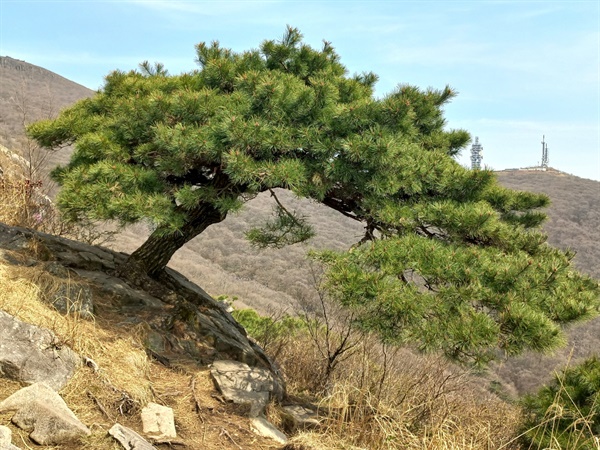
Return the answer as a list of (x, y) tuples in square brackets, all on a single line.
[(544, 153), (476, 154)]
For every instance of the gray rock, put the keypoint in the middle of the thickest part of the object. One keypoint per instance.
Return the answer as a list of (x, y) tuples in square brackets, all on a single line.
[(10, 258), (31, 354), (6, 439), (129, 439), (118, 288), (56, 269), (264, 428), (242, 384), (74, 298), (158, 422), (297, 417), (40, 409)]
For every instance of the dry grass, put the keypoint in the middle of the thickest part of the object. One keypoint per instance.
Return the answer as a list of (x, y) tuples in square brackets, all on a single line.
[(410, 402), (125, 379), (24, 203)]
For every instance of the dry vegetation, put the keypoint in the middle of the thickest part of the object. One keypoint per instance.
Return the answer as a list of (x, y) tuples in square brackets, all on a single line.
[(125, 379), (29, 93)]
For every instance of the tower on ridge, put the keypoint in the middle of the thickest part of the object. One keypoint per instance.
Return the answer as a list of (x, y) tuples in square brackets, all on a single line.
[(544, 153), (476, 154)]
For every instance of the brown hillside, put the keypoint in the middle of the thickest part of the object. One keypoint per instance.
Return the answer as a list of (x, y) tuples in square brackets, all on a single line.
[(29, 93), (222, 262), (573, 222)]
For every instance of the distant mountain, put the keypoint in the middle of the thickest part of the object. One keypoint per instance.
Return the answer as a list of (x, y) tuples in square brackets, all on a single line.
[(29, 93), (223, 263)]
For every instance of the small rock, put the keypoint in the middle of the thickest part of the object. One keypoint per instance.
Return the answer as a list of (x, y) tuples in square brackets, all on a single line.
[(242, 384), (158, 422), (39, 408), (299, 417), (129, 439), (6, 439), (263, 427)]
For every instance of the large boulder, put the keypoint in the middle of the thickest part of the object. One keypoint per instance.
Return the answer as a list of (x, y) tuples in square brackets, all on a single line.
[(40, 409), (31, 354)]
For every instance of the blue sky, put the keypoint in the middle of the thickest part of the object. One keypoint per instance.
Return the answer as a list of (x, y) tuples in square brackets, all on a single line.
[(523, 69)]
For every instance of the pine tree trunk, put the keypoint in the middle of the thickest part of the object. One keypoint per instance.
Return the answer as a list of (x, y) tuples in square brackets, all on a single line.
[(154, 254)]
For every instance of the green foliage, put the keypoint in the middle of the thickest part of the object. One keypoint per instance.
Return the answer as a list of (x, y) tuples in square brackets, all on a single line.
[(465, 300), (268, 329), (284, 230), (566, 413), (449, 260)]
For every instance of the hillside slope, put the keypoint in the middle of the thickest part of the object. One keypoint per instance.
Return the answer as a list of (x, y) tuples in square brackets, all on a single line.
[(223, 263), (29, 93)]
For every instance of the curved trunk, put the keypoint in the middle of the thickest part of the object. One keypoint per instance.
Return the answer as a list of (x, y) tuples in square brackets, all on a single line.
[(154, 254)]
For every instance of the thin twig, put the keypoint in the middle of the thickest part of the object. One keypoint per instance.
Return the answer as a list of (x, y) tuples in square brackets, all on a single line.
[(99, 404), (226, 433), (284, 209)]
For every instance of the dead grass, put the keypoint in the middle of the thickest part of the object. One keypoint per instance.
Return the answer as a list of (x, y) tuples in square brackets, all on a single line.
[(392, 399), (121, 379)]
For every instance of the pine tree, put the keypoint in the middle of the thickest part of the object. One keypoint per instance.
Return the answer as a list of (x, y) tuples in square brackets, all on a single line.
[(449, 259)]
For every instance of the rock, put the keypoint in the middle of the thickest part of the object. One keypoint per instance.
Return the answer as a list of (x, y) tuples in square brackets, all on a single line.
[(6, 439), (242, 384), (296, 446), (31, 354), (74, 298), (56, 269), (8, 257), (116, 287), (158, 422), (129, 439), (39, 408), (297, 417), (263, 427)]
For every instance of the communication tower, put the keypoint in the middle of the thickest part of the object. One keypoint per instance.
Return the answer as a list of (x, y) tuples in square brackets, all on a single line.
[(544, 153), (476, 154)]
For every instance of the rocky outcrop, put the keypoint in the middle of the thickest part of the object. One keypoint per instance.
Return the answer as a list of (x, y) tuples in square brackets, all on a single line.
[(40, 409), (253, 387), (30, 354), (183, 323), (184, 320)]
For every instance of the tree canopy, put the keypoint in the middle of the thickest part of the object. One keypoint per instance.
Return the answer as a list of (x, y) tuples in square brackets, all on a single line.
[(449, 260)]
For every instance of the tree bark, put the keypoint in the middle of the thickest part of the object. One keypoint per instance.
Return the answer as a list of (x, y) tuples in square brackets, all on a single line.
[(154, 254)]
